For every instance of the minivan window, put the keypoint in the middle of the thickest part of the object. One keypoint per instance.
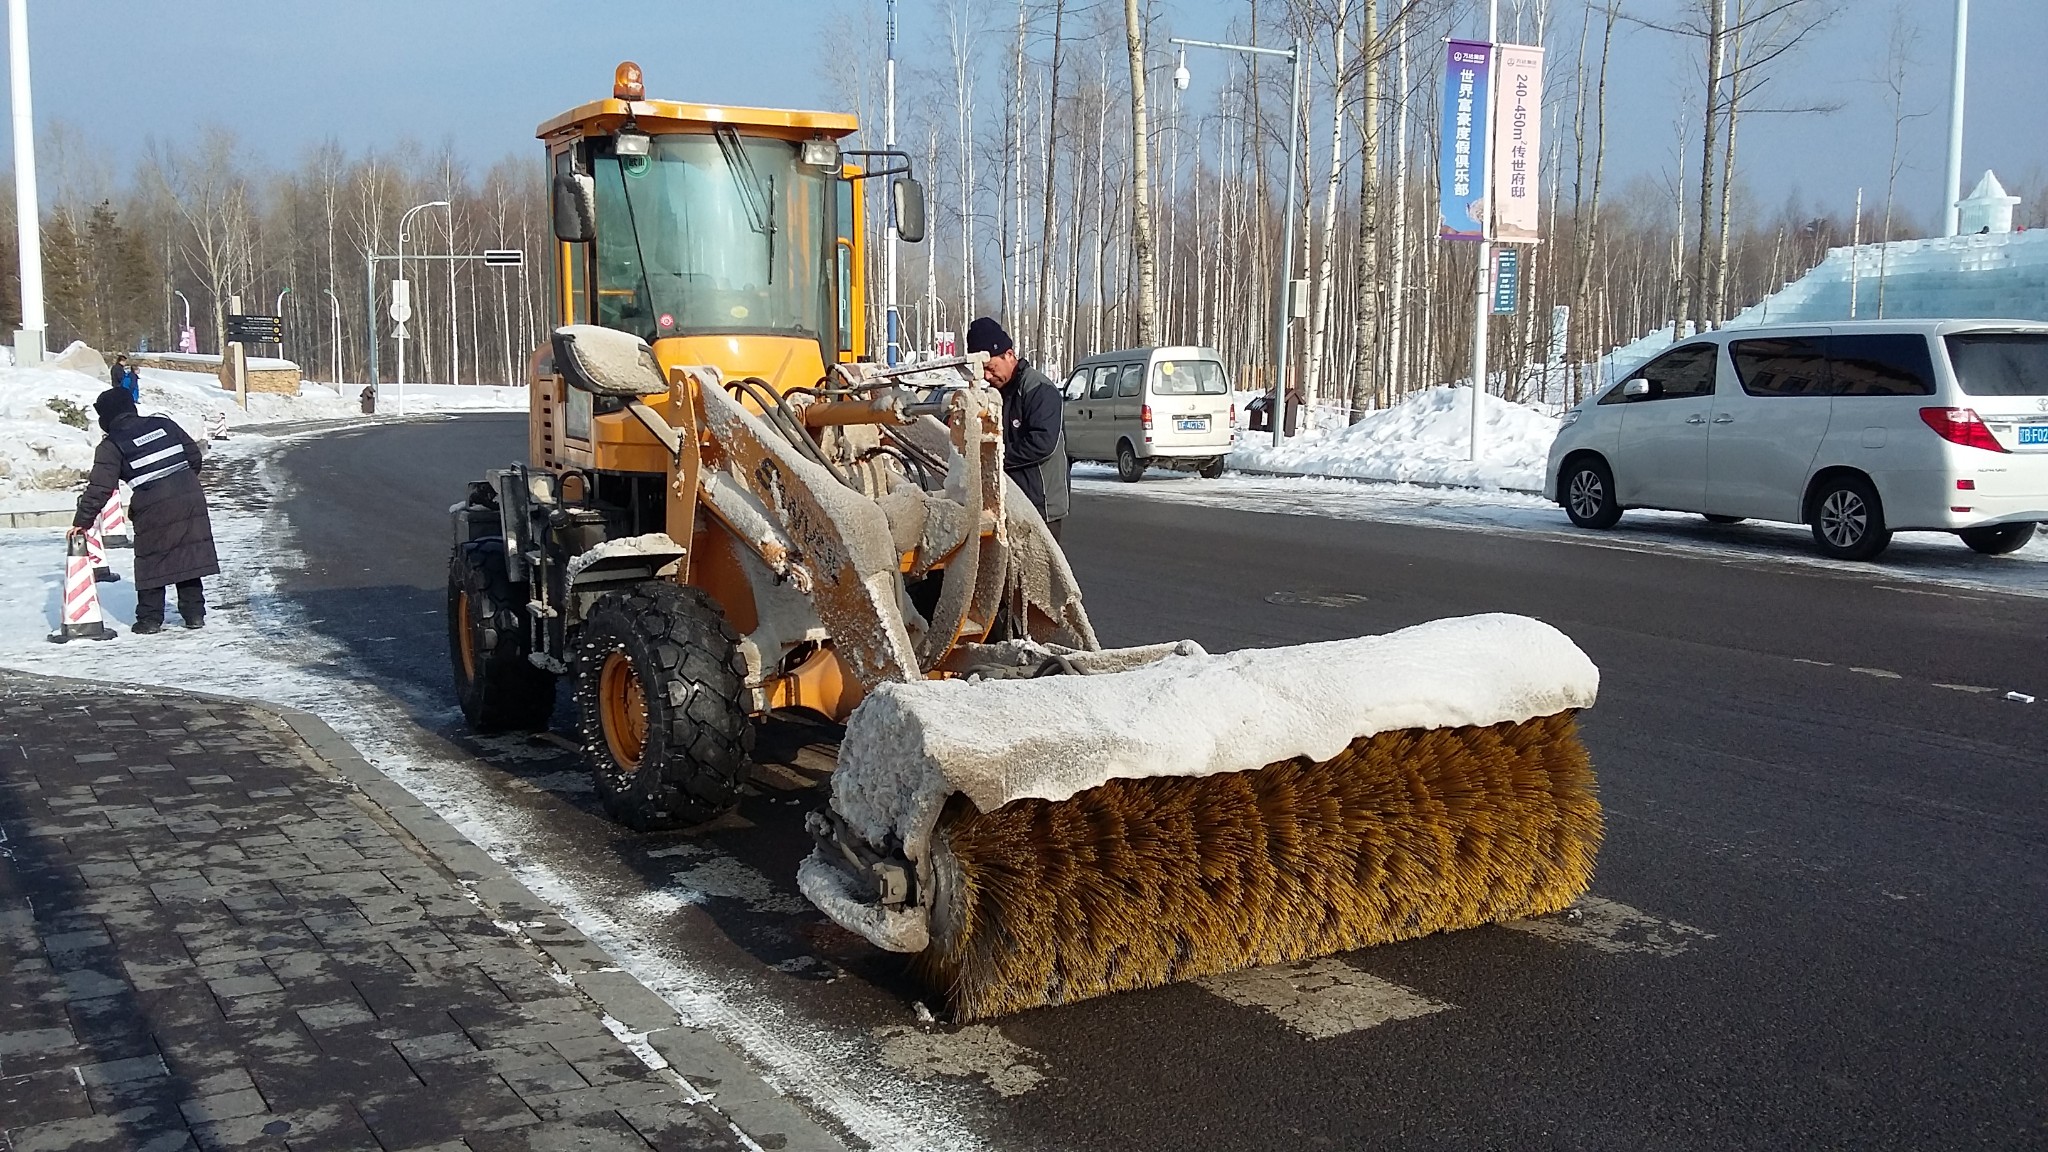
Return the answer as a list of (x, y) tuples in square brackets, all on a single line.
[(1687, 371), (1894, 364), (1785, 366), (1077, 387), (1189, 378), (1133, 375), (2000, 363), (1105, 383)]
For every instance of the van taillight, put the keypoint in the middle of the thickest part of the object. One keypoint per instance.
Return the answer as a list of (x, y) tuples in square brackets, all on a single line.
[(1961, 426), (1145, 417)]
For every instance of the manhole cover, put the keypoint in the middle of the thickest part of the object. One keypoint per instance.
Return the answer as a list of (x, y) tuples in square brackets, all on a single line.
[(1317, 599)]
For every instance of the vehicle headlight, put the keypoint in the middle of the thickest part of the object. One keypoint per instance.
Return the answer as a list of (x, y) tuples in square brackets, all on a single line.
[(1570, 418)]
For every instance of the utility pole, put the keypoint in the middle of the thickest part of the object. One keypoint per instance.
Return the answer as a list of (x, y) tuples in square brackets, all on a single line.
[(1950, 212), (1482, 306), (28, 341), (890, 319)]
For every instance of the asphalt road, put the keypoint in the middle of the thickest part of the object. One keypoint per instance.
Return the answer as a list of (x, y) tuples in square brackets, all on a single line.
[(1826, 848)]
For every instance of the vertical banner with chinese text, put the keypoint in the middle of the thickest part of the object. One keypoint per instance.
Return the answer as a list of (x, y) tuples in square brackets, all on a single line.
[(1517, 151), (1462, 167)]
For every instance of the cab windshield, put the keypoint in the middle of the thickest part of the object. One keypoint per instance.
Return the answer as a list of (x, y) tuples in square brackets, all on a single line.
[(712, 234)]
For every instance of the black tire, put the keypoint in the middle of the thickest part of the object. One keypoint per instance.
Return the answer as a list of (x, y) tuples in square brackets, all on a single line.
[(1998, 539), (488, 641), (1586, 489), (1848, 519), (667, 651), (1717, 518), (1212, 469), (1129, 468)]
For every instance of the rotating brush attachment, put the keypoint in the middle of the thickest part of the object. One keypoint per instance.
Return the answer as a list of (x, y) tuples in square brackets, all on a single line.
[(1137, 883)]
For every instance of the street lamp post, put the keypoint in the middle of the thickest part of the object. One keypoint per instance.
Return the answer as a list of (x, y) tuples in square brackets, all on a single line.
[(402, 221), (28, 340), (188, 321), (1954, 185), (1281, 322), (891, 317), (336, 367), (1482, 306)]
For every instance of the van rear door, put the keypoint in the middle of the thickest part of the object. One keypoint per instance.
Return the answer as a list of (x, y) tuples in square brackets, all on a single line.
[(2004, 378), (1190, 401)]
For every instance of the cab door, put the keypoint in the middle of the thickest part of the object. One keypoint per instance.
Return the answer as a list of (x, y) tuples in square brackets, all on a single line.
[(1660, 458), (1768, 425), (1074, 412)]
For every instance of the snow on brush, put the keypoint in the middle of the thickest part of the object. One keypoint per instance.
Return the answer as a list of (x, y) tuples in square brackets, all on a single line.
[(41, 454), (1425, 439), (909, 747)]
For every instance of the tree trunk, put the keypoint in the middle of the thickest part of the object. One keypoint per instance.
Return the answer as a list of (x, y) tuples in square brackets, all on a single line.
[(1326, 272), (1365, 338), (1052, 154), (1717, 41), (1141, 208)]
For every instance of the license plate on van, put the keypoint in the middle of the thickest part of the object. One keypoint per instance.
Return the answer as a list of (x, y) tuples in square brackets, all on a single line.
[(1201, 424), (2034, 433)]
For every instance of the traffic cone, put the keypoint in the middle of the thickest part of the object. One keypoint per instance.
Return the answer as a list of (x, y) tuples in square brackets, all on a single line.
[(96, 552), (113, 521), (82, 616)]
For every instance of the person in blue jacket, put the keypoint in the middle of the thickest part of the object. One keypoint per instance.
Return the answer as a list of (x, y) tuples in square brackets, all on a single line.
[(126, 378)]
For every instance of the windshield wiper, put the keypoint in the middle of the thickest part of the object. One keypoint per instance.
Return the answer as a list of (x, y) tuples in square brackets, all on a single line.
[(760, 214)]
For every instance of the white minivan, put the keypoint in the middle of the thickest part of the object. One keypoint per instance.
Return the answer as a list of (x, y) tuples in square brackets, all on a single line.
[(1860, 429), (1143, 406)]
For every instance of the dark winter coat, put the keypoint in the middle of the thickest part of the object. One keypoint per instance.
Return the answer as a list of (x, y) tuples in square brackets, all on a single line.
[(128, 380), (1035, 440), (167, 513)]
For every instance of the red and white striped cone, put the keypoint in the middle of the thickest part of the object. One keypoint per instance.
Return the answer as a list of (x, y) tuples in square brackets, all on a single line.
[(113, 522), (96, 552), (82, 617)]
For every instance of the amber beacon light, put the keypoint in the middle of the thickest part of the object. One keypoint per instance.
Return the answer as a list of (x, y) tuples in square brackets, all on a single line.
[(626, 83)]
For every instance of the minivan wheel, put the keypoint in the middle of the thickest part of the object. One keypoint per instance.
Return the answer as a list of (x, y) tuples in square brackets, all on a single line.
[(1589, 494), (1129, 468), (1848, 521), (1212, 469), (1998, 539)]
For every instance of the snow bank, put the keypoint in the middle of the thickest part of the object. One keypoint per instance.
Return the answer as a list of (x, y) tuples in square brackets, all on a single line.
[(1423, 439), (41, 453), (909, 747)]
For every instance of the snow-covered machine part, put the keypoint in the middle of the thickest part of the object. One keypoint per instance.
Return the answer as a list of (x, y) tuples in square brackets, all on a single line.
[(923, 761)]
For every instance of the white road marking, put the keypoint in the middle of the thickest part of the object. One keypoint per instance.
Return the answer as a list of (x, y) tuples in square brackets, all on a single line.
[(1971, 688), (1880, 673), (975, 1050), (1322, 998), (1613, 927)]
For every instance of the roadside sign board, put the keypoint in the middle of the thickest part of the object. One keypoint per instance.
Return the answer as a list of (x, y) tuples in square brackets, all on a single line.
[(255, 329), (1507, 280), (401, 300), (504, 257)]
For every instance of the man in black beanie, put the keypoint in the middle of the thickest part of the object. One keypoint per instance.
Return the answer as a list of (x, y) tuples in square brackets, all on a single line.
[(173, 534), (1034, 432)]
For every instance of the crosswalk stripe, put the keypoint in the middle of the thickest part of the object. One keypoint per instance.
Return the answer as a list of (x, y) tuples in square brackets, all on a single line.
[(1322, 998), (1613, 927)]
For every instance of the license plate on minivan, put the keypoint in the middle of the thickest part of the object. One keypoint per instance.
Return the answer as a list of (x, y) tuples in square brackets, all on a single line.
[(2034, 433), (1201, 424)]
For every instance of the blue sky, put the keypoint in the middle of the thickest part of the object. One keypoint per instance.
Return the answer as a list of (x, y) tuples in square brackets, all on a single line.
[(482, 73)]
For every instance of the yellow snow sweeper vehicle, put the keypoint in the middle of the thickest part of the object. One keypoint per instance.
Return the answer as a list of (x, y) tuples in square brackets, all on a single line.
[(727, 511)]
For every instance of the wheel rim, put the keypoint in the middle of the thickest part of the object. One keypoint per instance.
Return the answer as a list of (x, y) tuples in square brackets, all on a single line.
[(465, 635), (622, 709), (1587, 494), (1843, 518)]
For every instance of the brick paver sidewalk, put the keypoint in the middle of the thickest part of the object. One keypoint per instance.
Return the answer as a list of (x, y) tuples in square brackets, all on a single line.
[(210, 937)]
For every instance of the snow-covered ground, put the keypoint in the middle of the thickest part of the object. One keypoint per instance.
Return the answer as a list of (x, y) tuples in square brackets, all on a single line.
[(1920, 558), (41, 456), (1424, 439)]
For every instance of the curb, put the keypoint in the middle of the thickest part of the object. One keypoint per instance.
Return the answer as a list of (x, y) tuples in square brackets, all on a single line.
[(709, 1068), (1382, 480), (38, 518)]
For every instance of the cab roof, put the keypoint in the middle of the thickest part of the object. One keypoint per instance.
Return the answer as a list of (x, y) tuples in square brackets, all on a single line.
[(601, 117)]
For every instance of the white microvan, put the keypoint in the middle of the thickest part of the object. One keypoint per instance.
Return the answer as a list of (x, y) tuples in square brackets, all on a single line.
[(1860, 429), (1143, 406)]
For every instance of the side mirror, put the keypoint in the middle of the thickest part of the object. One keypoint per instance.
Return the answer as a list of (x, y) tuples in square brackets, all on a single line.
[(575, 208), (606, 361), (1635, 387), (908, 196)]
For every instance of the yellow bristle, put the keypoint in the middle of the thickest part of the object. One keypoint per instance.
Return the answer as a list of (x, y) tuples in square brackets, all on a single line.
[(1138, 883)]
